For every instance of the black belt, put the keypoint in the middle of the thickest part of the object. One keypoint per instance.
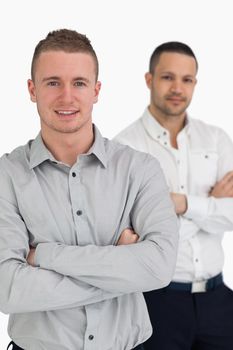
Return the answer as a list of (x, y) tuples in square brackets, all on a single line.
[(198, 286)]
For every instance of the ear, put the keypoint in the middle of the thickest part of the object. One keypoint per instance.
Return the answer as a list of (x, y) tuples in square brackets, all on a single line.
[(148, 78), (32, 90), (97, 90)]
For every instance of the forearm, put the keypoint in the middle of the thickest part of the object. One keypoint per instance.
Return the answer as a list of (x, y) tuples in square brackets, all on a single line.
[(28, 289), (123, 269), (214, 215)]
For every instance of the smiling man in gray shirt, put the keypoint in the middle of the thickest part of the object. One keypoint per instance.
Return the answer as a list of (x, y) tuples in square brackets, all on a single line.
[(72, 271)]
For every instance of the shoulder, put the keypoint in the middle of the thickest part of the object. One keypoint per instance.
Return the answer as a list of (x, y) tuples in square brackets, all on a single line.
[(133, 130), (15, 162), (127, 157), (206, 132), (206, 127)]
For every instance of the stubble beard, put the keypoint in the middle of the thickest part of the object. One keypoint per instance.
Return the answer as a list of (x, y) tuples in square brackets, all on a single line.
[(169, 111)]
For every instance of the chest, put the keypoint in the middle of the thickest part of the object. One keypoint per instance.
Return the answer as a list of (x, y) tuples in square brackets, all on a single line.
[(190, 169), (84, 206)]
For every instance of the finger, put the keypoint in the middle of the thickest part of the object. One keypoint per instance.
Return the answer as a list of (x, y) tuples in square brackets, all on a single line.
[(128, 231), (229, 192), (226, 178)]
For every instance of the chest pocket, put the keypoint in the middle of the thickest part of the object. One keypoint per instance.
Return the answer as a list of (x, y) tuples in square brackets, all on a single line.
[(203, 172)]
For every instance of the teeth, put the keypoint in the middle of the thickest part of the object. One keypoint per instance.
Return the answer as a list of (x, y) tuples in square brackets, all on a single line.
[(66, 112)]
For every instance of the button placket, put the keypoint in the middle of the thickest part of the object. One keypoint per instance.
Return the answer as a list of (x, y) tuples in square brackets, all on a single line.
[(76, 196), (183, 164), (93, 319), (197, 261)]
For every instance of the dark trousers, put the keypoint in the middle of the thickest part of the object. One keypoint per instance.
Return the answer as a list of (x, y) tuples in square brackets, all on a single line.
[(15, 347), (191, 321)]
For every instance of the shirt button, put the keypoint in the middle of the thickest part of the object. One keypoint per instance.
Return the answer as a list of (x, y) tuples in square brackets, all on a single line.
[(91, 337), (164, 133), (165, 143), (196, 260), (182, 187), (79, 212), (73, 174)]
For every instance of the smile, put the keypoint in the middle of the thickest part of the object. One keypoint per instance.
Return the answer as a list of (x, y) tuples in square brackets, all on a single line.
[(66, 113)]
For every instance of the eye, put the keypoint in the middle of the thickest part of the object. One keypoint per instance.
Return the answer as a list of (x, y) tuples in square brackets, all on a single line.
[(167, 77), (79, 83), (53, 83), (188, 80)]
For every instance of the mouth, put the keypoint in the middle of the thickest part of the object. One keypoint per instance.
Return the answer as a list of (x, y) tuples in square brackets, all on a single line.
[(176, 99), (66, 114)]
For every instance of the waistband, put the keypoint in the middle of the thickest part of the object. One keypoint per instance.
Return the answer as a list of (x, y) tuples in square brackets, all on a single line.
[(198, 286), (16, 347), (139, 347)]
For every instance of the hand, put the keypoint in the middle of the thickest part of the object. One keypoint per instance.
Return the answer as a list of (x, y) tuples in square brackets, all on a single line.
[(31, 256), (180, 202), (224, 187), (128, 236)]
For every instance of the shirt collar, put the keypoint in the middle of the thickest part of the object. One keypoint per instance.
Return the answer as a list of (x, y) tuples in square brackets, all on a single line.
[(39, 152), (156, 130), (98, 147)]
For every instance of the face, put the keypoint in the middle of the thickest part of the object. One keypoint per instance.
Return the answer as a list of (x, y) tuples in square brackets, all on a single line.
[(64, 89), (172, 85)]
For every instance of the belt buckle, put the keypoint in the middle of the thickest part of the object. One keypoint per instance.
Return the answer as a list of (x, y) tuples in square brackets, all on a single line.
[(199, 287)]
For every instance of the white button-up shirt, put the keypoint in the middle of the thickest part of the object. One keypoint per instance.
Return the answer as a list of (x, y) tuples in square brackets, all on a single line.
[(203, 157)]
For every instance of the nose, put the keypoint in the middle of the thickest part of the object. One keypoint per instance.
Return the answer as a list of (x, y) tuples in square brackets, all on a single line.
[(176, 87), (66, 94)]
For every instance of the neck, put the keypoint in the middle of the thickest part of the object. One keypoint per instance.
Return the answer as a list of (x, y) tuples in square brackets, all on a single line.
[(66, 147), (174, 124)]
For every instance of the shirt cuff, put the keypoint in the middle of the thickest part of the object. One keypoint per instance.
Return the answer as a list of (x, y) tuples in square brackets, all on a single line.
[(197, 207)]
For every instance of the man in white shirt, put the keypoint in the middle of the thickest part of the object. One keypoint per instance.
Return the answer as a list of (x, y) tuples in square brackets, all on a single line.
[(196, 310)]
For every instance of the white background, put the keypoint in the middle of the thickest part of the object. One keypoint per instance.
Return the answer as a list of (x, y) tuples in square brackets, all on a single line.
[(124, 33)]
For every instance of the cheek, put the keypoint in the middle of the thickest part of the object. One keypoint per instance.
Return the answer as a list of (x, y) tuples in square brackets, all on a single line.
[(46, 100), (189, 92), (88, 100)]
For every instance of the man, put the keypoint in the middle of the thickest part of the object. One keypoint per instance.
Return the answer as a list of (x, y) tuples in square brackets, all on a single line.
[(71, 269), (196, 310)]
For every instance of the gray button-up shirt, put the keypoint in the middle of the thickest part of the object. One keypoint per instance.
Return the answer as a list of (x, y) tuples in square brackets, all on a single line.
[(85, 291)]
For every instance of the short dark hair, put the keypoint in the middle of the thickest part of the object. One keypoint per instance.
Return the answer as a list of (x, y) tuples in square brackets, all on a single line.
[(171, 46), (64, 40)]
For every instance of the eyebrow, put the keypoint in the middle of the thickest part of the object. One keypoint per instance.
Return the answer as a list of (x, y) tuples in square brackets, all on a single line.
[(57, 78), (172, 73)]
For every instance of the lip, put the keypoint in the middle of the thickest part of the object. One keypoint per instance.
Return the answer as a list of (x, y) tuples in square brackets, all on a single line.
[(175, 99), (66, 113)]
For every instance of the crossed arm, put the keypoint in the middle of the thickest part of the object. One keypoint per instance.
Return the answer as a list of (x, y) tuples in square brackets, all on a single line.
[(222, 189), (128, 236), (217, 213), (59, 276)]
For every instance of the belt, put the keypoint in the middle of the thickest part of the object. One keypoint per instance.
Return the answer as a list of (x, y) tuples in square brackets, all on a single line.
[(198, 286)]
